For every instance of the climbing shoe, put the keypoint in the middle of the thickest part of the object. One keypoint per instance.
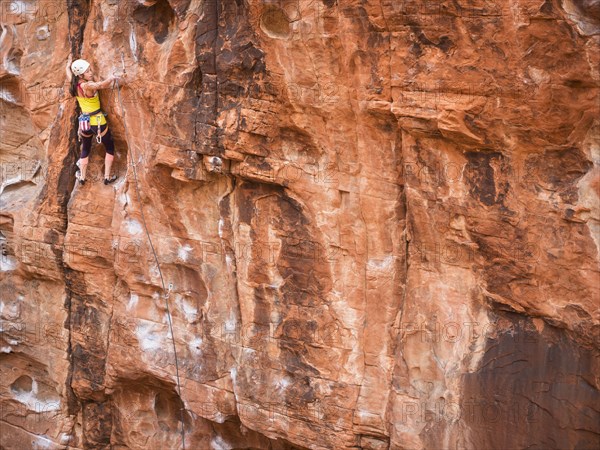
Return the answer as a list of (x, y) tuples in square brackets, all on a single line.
[(110, 180), (78, 176)]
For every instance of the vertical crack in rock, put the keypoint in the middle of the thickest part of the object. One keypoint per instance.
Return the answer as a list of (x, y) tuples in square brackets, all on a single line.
[(206, 42), (62, 184), (78, 12), (406, 237), (96, 414), (227, 239)]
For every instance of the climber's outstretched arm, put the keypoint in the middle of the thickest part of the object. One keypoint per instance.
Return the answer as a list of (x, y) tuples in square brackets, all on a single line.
[(90, 87), (97, 85)]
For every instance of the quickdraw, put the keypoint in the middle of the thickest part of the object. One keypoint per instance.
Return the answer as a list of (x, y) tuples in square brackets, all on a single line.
[(100, 134)]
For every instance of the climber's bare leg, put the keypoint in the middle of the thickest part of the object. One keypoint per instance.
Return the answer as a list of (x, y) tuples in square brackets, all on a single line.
[(83, 163), (108, 160)]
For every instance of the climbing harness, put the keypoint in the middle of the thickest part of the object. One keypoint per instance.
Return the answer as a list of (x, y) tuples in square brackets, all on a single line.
[(99, 135), (162, 280)]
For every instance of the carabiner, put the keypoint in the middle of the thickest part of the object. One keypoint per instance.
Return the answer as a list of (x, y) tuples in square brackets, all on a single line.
[(99, 135)]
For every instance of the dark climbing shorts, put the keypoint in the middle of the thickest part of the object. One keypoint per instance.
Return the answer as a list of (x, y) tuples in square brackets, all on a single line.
[(107, 140)]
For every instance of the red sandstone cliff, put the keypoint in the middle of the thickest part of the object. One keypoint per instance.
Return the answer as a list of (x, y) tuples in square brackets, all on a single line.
[(398, 250)]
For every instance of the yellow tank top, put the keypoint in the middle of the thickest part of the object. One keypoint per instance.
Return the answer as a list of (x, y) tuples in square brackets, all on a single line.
[(91, 104)]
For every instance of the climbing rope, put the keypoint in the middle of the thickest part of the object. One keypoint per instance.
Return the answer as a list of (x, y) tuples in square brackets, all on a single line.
[(162, 281)]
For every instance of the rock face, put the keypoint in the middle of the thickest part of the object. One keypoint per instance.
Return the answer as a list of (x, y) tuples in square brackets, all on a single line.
[(377, 223)]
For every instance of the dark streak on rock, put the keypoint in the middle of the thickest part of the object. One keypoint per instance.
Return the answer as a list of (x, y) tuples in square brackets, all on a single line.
[(157, 19), (540, 383), (480, 176)]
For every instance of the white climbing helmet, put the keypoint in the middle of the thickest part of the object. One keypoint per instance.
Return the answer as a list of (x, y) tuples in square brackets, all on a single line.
[(79, 66)]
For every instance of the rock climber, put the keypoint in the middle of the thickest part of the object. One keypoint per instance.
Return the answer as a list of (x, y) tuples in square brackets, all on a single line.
[(92, 120)]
